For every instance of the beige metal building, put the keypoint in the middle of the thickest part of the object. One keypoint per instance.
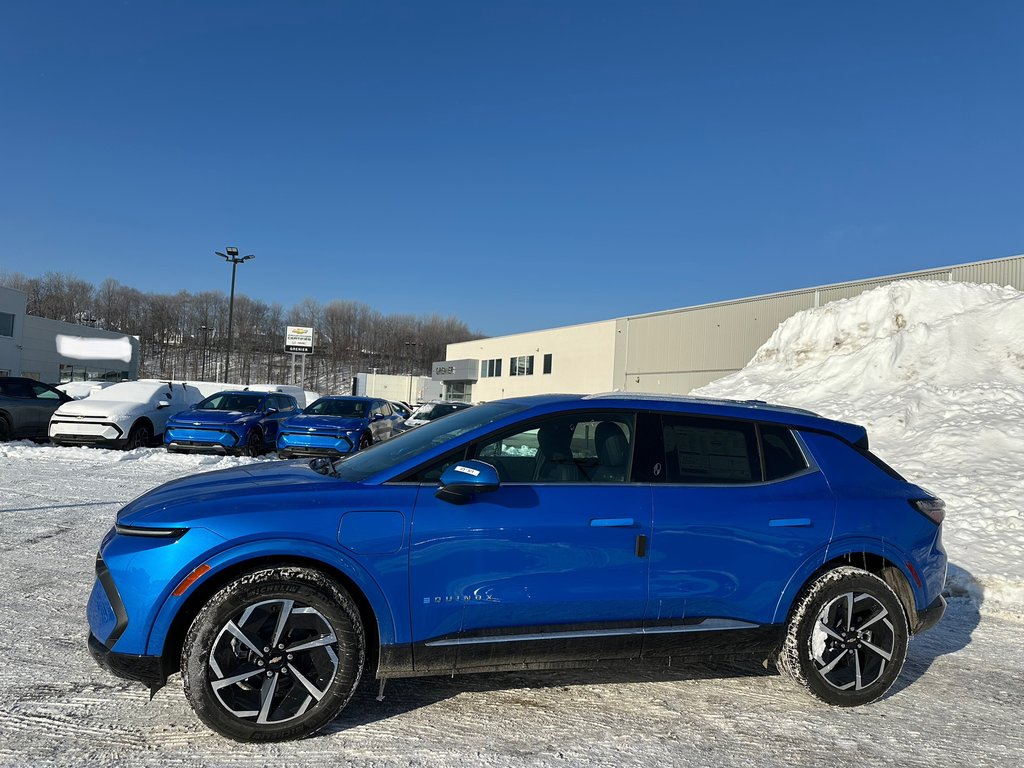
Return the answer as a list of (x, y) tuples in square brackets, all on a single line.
[(675, 350)]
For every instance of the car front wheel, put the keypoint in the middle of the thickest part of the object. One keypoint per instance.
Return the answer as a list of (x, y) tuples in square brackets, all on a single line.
[(138, 437), (274, 655), (847, 638)]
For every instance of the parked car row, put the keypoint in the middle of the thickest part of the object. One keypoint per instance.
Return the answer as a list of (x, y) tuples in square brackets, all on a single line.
[(205, 417)]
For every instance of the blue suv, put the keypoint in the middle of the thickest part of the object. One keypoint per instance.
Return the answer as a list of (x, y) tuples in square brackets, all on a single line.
[(236, 421), (337, 425), (528, 533)]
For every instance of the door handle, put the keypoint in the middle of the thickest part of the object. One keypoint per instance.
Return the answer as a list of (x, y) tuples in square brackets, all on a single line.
[(612, 522), (789, 522)]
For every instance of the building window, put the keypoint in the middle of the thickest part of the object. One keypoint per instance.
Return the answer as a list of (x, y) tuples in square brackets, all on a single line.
[(520, 366), (458, 391), (6, 324), (547, 363), (490, 368), (84, 373)]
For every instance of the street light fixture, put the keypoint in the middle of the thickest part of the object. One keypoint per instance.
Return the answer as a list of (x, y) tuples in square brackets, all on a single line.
[(232, 258)]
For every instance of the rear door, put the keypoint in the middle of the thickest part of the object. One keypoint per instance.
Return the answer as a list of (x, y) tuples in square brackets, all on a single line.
[(550, 567), (738, 508)]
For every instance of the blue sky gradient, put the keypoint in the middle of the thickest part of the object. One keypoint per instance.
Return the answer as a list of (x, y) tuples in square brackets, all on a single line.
[(518, 164)]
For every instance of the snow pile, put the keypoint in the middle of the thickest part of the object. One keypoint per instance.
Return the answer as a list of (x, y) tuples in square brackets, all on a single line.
[(935, 371)]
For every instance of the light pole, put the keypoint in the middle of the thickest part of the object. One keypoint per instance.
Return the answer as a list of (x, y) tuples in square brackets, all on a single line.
[(206, 332), (232, 258)]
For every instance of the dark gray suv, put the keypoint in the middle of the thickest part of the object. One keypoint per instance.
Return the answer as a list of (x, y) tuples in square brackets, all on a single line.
[(26, 406)]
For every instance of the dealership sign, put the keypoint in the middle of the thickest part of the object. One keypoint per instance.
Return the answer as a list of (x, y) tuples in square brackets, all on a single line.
[(298, 339)]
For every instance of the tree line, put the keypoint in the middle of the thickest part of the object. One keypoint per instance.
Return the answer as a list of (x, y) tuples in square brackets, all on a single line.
[(184, 335)]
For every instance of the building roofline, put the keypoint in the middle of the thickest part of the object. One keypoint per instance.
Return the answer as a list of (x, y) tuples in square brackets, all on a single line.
[(822, 287)]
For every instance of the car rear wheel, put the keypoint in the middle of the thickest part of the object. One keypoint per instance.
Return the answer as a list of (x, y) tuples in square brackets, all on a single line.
[(6, 433), (274, 655), (138, 436), (847, 638)]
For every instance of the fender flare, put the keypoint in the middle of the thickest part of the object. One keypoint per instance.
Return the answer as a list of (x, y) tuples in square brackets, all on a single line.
[(263, 549), (839, 548)]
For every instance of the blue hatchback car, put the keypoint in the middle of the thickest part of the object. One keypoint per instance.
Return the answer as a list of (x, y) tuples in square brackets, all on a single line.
[(236, 421), (529, 533), (337, 425)]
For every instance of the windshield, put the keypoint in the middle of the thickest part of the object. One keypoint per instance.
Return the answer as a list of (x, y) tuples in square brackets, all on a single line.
[(230, 401), (411, 444), (328, 407), (431, 411)]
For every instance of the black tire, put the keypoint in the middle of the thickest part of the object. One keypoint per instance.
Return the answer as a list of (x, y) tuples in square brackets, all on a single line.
[(365, 441), (254, 604), (847, 638), (6, 433), (253, 444), (139, 436)]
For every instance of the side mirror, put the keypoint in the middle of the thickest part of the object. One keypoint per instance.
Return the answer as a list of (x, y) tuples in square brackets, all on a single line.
[(377, 417), (464, 479), (163, 404), (271, 410)]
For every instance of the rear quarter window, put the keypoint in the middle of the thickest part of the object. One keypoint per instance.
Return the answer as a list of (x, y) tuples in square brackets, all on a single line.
[(782, 455)]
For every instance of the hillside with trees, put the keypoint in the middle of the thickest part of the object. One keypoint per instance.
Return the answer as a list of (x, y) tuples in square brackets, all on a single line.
[(183, 335)]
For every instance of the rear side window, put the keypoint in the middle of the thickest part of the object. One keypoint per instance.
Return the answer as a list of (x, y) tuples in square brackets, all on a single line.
[(709, 451), (782, 456)]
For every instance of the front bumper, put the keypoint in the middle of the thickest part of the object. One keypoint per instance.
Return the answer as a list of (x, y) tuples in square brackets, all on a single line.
[(66, 431), (143, 669), (314, 444), (199, 439)]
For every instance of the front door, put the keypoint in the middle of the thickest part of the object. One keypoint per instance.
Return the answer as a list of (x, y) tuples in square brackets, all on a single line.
[(550, 567)]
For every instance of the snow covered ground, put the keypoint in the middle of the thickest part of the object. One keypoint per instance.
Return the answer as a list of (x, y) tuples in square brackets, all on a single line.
[(935, 371)]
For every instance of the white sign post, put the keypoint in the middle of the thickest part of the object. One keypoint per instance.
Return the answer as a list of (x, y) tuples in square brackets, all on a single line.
[(298, 340)]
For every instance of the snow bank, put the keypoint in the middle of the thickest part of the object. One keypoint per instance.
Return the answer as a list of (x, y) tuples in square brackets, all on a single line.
[(935, 371)]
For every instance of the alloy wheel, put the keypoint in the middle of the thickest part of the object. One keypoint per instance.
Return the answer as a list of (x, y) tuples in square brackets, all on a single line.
[(852, 641), (274, 661)]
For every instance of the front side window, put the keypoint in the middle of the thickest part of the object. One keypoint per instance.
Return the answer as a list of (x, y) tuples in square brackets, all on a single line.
[(416, 442), (575, 448), (709, 451)]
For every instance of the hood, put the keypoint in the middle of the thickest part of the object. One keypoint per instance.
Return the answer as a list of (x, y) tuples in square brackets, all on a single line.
[(305, 421), (188, 418), (103, 408), (194, 501)]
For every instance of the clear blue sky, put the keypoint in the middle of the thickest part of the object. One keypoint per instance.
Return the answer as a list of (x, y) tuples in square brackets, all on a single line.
[(518, 164)]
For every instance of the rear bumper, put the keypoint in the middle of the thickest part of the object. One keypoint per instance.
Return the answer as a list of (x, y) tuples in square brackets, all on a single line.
[(143, 669), (929, 617)]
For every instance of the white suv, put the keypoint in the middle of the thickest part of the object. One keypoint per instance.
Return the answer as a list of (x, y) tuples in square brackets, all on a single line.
[(127, 415)]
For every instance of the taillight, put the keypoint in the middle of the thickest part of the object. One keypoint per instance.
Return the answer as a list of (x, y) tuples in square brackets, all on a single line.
[(934, 509)]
